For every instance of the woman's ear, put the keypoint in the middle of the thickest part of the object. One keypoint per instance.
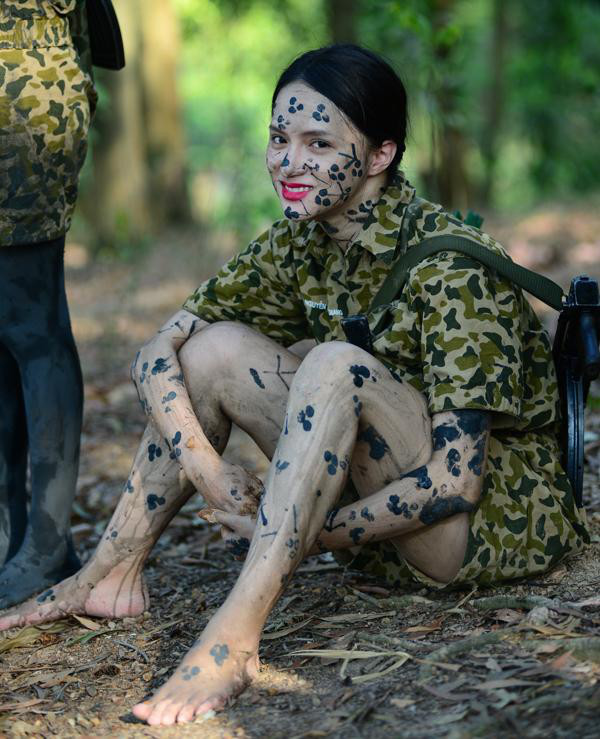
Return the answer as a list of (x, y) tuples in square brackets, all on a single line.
[(381, 158)]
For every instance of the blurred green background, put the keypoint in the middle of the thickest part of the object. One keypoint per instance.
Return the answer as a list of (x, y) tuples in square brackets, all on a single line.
[(504, 106)]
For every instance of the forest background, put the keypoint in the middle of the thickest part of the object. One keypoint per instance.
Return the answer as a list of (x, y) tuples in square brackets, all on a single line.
[(504, 107)]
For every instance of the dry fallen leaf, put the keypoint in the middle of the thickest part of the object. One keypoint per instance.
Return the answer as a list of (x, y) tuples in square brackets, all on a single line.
[(551, 631), (208, 514), (447, 718), (508, 615), (562, 661), (30, 634), (593, 600), (557, 575), (349, 618), (402, 702), (21, 705), (286, 631), (507, 683), (538, 616), (87, 622), (434, 625), (548, 648), (380, 673)]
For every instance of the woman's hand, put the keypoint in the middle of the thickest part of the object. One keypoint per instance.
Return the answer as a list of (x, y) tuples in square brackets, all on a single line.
[(160, 383), (233, 489)]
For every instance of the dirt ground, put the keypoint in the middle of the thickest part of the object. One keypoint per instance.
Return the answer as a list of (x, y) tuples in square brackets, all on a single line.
[(343, 654)]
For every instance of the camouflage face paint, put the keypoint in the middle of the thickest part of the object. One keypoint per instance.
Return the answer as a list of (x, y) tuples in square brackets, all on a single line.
[(280, 466), (238, 548), (315, 156), (397, 508), (421, 475), (219, 652)]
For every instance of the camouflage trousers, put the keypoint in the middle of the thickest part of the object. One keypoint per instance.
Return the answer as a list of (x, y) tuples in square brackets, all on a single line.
[(525, 522)]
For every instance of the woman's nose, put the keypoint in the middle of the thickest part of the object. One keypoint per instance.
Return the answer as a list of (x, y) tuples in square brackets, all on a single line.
[(293, 161)]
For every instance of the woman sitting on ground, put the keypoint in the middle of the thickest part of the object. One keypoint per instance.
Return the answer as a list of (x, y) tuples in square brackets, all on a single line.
[(434, 459)]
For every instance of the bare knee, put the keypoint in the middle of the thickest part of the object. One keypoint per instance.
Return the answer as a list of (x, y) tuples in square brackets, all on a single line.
[(215, 348), (334, 360), (346, 366)]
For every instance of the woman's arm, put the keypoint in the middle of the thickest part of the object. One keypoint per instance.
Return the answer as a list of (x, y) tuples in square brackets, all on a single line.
[(453, 479), (158, 377), (451, 482)]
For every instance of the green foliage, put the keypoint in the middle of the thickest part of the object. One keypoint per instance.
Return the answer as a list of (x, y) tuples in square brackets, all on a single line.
[(554, 80), (233, 53), (545, 132)]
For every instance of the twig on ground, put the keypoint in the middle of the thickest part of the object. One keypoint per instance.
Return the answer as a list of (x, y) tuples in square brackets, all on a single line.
[(585, 647), (528, 602), (392, 642)]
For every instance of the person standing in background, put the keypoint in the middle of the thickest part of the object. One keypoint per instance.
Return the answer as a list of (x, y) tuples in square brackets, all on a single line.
[(47, 99)]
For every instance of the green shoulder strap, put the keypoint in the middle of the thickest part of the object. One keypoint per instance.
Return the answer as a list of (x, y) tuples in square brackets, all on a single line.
[(538, 285)]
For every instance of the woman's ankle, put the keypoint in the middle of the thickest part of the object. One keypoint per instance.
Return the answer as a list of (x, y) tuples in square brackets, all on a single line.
[(121, 592)]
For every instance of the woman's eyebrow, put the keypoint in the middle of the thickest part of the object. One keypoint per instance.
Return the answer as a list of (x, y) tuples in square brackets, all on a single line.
[(317, 132)]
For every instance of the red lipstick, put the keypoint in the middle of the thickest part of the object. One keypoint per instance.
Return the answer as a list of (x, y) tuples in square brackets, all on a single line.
[(295, 190)]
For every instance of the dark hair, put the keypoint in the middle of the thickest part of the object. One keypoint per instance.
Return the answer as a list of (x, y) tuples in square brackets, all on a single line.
[(362, 85)]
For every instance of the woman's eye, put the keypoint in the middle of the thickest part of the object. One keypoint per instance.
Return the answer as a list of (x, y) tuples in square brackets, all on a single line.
[(319, 144), (277, 139)]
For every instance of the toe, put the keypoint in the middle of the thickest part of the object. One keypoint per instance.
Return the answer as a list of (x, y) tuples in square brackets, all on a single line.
[(159, 710), (186, 714), (142, 710), (170, 713), (214, 703), (9, 621)]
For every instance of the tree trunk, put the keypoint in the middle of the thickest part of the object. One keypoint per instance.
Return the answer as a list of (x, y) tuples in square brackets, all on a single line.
[(495, 97), (138, 179), (341, 20), (449, 178), (117, 206), (165, 141)]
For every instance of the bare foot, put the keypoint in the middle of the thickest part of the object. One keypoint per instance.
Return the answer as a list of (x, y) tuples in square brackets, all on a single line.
[(121, 593), (212, 673)]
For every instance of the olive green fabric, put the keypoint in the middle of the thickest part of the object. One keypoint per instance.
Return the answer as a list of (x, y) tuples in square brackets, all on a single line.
[(47, 98), (458, 333)]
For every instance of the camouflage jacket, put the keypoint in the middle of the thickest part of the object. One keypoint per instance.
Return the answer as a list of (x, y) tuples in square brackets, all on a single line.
[(46, 101), (459, 333)]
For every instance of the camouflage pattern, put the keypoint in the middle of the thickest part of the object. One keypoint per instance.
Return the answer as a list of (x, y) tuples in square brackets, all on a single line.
[(46, 102), (462, 337)]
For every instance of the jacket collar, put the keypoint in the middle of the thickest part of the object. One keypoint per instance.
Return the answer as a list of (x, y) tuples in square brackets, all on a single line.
[(381, 230)]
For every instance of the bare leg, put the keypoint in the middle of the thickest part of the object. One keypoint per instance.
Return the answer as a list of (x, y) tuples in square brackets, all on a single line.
[(223, 390), (373, 468), (309, 468), (307, 474)]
